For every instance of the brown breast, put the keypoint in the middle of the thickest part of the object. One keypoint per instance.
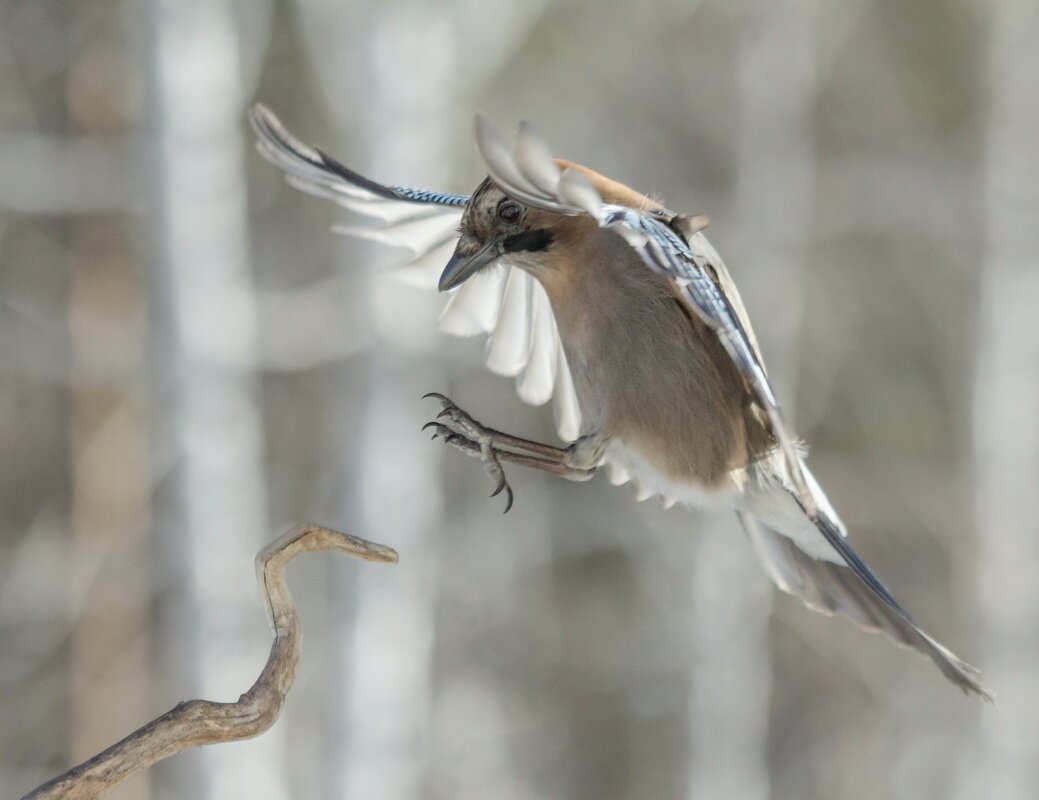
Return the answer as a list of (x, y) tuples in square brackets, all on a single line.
[(646, 371)]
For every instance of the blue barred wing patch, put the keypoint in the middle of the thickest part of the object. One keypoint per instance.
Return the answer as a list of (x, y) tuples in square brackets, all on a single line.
[(422, 196)]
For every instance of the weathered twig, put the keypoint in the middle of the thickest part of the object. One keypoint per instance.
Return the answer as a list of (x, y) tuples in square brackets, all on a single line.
[(198, 722)]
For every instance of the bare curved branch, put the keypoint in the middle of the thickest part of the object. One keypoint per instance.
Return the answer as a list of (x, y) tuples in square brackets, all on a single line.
[(199, 722)]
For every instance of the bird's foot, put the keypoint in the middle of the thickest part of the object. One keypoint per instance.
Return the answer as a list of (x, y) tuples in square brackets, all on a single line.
[(462, 432), (460, 422)]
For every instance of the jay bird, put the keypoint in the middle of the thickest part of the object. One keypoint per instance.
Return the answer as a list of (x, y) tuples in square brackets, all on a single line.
[(621, 310)]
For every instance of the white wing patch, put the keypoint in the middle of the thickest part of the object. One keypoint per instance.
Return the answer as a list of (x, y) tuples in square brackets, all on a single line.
[(474, 307), (536, 383), (417, 235), (508, 349), (524, 341), (504, 301)]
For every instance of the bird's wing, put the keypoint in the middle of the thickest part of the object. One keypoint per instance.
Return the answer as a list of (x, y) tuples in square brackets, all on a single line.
[(824, 570), (505, 303)]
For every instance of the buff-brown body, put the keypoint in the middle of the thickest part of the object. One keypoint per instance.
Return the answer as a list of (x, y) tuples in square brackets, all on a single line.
[(654, 377)]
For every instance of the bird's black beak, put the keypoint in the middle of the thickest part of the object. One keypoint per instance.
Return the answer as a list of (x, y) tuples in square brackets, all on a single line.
[(460, 268)]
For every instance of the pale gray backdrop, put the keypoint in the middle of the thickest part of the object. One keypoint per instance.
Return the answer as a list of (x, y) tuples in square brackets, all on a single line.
[(190, 363)]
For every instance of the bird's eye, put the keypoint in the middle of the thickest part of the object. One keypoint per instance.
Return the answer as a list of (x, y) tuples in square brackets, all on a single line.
[(509, 213)]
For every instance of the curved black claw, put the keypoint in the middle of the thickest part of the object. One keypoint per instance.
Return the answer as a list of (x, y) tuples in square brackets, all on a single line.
[(441, 430), (508, 496), (492, 465), (453, 438), (461, 422), (503, 486), (473, 439)]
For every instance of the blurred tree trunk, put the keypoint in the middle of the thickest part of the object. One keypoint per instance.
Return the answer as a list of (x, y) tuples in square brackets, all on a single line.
[(111, 475), (210, 426), (777, 79), (390, 724), (394, 107), (1006, 398)]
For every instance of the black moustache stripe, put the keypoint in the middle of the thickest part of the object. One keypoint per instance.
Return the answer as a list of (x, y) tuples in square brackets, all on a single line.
[(527, 241)]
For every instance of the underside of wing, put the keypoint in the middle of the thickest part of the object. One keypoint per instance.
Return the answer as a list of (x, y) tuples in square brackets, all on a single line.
[(504, 302)]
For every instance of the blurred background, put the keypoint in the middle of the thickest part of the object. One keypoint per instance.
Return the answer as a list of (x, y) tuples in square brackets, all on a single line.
[(190, 362)]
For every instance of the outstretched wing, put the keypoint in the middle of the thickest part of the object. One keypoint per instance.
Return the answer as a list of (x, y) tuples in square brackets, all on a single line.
[(812, 557), (505, 303)]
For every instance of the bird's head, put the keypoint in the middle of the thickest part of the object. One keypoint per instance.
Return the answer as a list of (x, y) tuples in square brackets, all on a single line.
[(496, 225)]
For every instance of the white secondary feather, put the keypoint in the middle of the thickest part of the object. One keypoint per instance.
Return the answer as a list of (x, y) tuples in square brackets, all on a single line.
[(508, 348), (417, 235), (392, 212), (330, 191), (424, 271), (616, 472), (474, 306), (538, 379), (366, 203)]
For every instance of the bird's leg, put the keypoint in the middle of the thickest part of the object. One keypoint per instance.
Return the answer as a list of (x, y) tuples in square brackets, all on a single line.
[(464, 433), (575, 462)]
